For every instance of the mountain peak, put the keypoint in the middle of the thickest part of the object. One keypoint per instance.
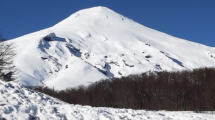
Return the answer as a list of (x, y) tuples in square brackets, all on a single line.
[(92, 15), (98, 9)]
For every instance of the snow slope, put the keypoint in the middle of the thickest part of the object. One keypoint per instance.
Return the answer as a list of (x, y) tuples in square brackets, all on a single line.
[(98, 43), (20, 103)]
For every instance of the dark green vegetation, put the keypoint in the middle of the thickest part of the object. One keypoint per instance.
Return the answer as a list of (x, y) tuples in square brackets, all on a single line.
[(178, 90)]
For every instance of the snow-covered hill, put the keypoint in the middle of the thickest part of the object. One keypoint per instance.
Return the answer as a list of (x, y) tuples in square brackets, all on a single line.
[(98, 43), (20, 103)]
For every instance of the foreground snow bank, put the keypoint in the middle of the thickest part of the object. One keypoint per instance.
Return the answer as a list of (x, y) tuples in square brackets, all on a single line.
[(20, 103)]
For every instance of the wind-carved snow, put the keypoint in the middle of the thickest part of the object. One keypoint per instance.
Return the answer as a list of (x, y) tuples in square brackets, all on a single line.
[(20, 103), (98, 43)]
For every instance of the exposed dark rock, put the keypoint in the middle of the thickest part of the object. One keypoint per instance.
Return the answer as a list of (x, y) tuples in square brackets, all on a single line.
[(87, 55), (47, 38), (115, 63), (158, 67), (128, 64), (148, 44), (148, 56), (44, 58), (119, 73)]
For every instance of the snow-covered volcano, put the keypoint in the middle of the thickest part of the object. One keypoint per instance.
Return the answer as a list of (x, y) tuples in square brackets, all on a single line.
[(98, 43)]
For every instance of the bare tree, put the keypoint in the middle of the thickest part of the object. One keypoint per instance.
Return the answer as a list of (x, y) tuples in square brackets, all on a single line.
[(178, 90), (7, 70)]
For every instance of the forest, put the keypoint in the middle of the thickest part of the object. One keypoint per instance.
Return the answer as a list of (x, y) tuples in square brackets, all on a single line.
[(192, 90)]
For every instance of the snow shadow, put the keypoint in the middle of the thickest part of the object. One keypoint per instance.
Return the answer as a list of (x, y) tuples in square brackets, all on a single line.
[(76, 52), (173, 59)]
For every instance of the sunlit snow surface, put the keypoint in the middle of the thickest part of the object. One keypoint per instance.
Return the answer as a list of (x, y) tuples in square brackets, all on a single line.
[(98, 43), (19, 103)]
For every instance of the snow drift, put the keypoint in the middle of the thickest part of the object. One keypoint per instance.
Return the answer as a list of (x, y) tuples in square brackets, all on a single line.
[(20, 103), (98, 43)]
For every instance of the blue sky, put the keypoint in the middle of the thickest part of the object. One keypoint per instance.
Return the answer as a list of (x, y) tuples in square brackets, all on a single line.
[(193, 20)]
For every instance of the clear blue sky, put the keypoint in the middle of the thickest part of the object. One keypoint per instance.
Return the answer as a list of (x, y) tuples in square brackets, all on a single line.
[(193, 20)]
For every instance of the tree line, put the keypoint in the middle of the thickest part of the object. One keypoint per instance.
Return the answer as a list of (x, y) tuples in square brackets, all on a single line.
[(177, 90)]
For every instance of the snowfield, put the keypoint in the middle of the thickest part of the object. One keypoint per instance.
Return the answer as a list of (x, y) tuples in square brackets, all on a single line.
[(20, 103), (98, 43)]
